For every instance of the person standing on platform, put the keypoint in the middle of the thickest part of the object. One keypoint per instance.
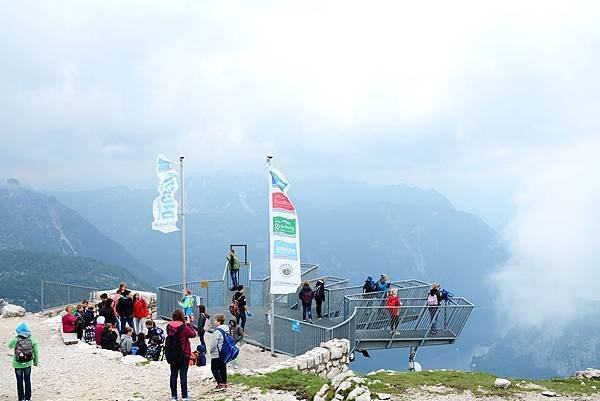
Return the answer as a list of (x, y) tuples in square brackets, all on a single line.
[(234, 269), (320, 296)]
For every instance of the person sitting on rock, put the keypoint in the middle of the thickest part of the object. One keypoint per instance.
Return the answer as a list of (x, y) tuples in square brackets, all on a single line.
[(109, 337), (69, 320), (154, 348), (140, 344), (127, 341), (98, 328)]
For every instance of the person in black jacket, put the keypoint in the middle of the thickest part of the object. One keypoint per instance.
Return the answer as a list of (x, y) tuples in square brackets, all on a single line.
[(320, 296), (109, 337), (125, 310), (105, 308), (203, 317)]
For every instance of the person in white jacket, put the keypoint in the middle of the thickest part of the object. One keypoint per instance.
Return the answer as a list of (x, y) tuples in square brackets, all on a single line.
[(217, 366)]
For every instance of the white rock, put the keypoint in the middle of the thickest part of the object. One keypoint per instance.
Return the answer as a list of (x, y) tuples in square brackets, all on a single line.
[(383, 396), (336, 381), (343, 387), (324, 389), (133, 359), (502, 383), (9, 311), (549, 394)]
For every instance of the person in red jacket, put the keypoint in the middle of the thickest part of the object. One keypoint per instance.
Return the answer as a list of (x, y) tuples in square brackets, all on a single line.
[(98, 329), (140, 313), (69, 320), (184, 331), (393, 306)]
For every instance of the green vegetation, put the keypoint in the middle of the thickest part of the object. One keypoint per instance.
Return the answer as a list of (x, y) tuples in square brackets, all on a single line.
[(477, 382), (440, 382), (304, 385), (22, 273)]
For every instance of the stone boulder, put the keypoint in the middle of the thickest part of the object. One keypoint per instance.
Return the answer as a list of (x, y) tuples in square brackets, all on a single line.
[(501, 383), (133, 359), (9, 311)]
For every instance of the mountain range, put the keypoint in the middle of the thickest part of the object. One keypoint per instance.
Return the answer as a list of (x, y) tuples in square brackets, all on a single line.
[(37, 222), (350, 229)]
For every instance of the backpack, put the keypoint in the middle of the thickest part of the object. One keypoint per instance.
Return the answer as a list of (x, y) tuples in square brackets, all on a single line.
[(234, 307), (173, 350), (446, 295), (229, 351), (432, 300), (24, 350), (307, 296)]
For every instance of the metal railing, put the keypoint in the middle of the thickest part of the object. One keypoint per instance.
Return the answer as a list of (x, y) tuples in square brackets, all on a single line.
[(169, 297), (330, 282), (335, 303), (260, 289), (244, 275), (414, 322), (55, 295)]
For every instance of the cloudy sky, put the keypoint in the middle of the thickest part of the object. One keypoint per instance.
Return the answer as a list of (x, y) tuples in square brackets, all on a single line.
[(496, 106), (449, 96)]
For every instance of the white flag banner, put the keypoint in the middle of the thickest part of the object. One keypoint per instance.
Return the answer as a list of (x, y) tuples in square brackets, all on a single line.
[(164, 208), (284, 236)]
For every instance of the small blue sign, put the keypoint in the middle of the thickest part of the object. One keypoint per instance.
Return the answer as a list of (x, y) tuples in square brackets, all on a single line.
[(296, 326)]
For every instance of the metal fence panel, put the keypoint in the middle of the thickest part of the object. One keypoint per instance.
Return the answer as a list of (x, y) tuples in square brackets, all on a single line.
[(292, 342), (55, 295)]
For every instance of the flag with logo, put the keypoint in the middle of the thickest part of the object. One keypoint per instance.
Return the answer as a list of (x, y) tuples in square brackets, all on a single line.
[(284, 236), (164, 208)]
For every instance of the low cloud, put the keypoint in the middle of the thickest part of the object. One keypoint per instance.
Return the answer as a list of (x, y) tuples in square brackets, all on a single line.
[(554, 238)]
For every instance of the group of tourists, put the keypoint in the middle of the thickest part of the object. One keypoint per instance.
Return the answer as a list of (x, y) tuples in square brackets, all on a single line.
[(222, 348)]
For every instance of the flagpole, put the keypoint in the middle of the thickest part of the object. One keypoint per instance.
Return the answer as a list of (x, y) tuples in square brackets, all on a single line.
[(269, 158), (182, 212)]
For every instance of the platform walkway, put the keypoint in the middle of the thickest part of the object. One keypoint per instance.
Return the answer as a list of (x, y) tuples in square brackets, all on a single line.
[(363, 319)]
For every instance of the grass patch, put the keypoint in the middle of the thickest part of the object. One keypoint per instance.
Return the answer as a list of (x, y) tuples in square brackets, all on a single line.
[(143, 363), (304, 385), (478, 383)]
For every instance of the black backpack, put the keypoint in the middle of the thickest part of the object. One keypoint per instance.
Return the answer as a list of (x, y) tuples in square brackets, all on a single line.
[(173, 350), (24, 349)]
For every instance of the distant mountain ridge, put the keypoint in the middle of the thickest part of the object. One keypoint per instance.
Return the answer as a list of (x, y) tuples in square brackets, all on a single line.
[(402, 231), (36, 222), (22, 273)]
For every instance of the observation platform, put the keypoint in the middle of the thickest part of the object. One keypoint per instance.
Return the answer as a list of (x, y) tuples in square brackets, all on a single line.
[(363, 319)]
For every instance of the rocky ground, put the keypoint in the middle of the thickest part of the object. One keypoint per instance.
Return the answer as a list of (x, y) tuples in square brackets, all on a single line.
[(83, 372)]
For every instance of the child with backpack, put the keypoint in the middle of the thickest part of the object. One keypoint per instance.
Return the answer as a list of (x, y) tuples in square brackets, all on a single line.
[(187, 304), (238, 335), (26, 354), (178, 351), (222, 350)]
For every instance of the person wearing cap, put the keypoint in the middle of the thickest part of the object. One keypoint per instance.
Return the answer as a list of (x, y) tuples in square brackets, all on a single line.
[(26, 354), (382, 285)]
